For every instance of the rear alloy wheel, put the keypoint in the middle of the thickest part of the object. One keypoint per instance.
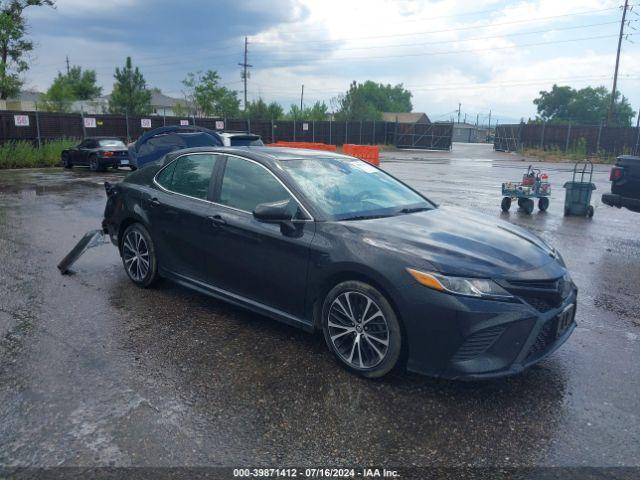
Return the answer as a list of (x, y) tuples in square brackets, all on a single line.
[(138, 256), (361, 329)]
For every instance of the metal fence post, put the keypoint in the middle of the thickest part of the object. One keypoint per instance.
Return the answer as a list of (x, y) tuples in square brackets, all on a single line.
[(346, 132), (38, 126), (566, 147), (84, 129), (374, 133), (294, 129), (329, 130), (360, 142), (637, 148), (164, 116), (542, 136), (313, 131), (126, 121), (273, 132), (395, 134), (599, 136), (248, 125)]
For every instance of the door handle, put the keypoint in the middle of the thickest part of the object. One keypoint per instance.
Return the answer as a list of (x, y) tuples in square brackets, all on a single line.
[(155, 201), (217, 220)]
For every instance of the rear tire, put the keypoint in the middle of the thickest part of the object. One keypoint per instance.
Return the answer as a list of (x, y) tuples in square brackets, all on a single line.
[(361, 329), (527, 206), (139, 256), (66, 161), (506, 204), (590, 211), (94, 164)]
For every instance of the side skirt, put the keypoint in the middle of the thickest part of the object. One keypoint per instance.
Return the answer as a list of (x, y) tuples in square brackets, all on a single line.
[(238, 300)]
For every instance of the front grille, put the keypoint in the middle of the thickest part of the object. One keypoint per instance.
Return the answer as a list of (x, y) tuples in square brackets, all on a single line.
[(544, 339), (543, 295), (478, 343)]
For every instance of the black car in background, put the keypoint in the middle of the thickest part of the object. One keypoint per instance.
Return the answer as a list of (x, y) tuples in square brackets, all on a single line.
[(625, 184), (97, 153), (155, 144), (330, 243)]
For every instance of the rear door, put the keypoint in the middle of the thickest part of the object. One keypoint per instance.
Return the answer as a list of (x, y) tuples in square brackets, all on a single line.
[(179, 214), (260, 261)]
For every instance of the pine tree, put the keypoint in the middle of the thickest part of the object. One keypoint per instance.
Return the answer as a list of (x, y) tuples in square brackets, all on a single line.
[(130, 94)]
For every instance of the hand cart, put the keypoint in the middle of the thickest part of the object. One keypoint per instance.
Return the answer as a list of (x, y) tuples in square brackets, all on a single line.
[(534, 185), (577, 200)]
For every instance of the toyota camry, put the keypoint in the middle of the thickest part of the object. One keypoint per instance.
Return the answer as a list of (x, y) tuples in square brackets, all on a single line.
[(330, 243)]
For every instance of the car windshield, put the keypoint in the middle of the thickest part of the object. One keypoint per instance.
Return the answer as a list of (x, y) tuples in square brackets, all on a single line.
[(352, 189), (239, 141), (111, 142)]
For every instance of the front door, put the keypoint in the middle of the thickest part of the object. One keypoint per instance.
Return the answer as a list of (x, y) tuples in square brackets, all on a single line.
[(264, 262)]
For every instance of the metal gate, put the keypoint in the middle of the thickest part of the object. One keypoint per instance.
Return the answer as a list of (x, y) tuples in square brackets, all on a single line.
[(507, 138), (430, 136)]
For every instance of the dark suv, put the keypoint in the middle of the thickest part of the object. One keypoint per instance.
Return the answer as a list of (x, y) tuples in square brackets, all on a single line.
[(625, 184)]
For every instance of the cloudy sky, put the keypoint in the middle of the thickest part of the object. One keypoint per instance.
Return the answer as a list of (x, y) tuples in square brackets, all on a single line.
[(486, 54)]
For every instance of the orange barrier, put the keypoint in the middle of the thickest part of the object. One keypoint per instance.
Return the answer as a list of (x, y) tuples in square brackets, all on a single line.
[(368, 153), (307, 145)]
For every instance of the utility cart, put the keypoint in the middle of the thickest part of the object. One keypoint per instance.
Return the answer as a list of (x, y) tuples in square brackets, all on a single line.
[(577, 200), (534, 184)]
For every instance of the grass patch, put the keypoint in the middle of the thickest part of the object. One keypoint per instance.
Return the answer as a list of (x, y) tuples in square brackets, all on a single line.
[(23, 154), (576, 154)]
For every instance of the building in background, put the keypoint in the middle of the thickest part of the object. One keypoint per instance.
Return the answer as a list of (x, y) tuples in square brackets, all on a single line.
[(469, 133), (25, 102), (405, 117)]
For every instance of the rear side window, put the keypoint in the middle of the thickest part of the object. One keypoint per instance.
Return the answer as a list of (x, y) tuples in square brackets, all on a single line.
[(246, 184), (189, 175)]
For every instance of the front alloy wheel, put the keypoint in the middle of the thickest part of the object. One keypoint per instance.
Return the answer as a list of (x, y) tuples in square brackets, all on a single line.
[(362, 329), (138, 255)]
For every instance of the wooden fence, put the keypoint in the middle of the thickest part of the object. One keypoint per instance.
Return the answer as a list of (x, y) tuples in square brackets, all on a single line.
[(44, 126), (594, 139)]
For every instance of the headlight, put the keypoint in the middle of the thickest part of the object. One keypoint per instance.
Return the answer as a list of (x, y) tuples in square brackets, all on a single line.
[(470, 287)]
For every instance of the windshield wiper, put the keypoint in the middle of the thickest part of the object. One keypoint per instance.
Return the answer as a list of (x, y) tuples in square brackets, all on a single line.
[(366, 217), (414, 210)]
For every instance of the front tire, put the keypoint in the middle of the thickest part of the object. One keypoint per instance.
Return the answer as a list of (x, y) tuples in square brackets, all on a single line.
[(94, 164), (361, 329), (139, 256), (66, 161)]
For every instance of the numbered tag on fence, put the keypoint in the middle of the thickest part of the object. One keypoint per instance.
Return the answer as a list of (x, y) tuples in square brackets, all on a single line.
[(184, 123), (219, 125), (145, 122), (305, 127), (89, 122), (21, 120)]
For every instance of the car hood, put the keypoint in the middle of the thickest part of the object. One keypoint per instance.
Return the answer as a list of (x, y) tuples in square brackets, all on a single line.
[(460, 242)]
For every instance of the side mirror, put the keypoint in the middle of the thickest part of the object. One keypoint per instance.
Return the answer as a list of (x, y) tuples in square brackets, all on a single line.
[(275, 212)]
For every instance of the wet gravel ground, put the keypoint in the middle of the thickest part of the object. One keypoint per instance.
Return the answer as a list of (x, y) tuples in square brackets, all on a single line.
[(94, 371)]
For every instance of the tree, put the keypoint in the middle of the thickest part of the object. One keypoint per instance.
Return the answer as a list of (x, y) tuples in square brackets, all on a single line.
[(130, 94), (588, 106), (259, 110), (59, 97), (319, 111), (367, 101), (82, 83), (70, 87), (208, 97), (14, 47)]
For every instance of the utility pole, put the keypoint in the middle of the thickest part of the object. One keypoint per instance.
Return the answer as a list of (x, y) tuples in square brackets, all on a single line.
[(615, 73), (489, 121), (301, 98), (245, 73), (459, 107), (68, 65)]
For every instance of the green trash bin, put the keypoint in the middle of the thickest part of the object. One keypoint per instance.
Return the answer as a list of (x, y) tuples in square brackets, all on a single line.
[(577, 200)]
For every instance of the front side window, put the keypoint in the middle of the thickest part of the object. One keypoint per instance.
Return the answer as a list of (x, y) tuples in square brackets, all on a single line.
[(246, 184), (189, 175)]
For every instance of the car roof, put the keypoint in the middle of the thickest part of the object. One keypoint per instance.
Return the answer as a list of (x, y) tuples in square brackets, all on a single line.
[(262, 154)]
